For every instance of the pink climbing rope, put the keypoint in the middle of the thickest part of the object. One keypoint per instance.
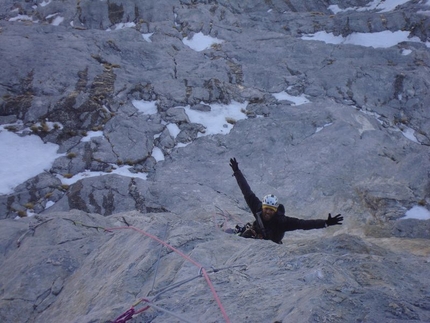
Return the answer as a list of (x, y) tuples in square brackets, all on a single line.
[(123, 318), (128, 315), (203, 271)]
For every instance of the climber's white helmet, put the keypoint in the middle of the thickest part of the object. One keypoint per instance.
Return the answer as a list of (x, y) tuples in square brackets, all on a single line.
[(271, 201)]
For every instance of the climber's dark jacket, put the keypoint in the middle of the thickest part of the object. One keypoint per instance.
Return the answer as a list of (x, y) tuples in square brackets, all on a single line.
[(279, 224)]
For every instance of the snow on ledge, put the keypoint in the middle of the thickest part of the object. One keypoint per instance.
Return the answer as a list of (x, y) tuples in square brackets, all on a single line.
[(123, 171), (417, 212), (220, 119), (409, 133), (380, 6), (382, 39), (201, 42), (23, 18), (23, 158), (92, 134), (145, 107), (147, 37), (45, 3), (297, 100), (122, 25), (57, 21)]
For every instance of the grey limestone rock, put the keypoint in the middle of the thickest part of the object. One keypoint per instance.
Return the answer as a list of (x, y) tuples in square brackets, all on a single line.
[(130, 137), (360, 146), (107, 195), (92, 270)]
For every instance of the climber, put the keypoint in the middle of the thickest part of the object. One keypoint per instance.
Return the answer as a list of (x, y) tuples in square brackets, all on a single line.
[(270, 220)]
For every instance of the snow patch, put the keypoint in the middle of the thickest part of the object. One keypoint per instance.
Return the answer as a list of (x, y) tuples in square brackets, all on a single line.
[(182, 145), (147, 37), (406, 52), (173, 129), (57, 21), (123, 171), (49, 204), (22, 158), (297, 100), (22, 18), (146, 107), (380, 6), (220, 119), (417, 212), (410, 134), (324, 126), (92, 134), (157, 153), (45, 3), (201, 42), (382, 39), (122, 25)]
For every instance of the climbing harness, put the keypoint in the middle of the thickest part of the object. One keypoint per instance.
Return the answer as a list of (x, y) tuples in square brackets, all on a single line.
[(226, 218), (260, 224), (247, 231)]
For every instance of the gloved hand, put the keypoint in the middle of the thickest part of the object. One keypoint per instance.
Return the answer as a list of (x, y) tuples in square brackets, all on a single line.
[(336, 220), (281, 209), (234, 165)]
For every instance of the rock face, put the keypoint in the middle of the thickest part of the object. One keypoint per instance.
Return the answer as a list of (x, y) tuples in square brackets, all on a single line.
[(67, 266), (113, 83)]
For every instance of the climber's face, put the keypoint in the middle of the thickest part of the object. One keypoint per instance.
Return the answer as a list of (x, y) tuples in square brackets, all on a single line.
[(267, 213)]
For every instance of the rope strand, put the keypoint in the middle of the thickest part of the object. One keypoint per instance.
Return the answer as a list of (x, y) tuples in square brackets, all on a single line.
[(167, 311), (204, 273), (158, 260)]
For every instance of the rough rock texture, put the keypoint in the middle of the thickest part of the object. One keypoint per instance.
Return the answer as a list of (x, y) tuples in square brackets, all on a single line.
[(67, 267), (82, 65)]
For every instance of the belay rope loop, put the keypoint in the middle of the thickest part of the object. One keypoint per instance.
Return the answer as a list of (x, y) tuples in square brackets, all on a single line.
[(126, 316), (202, 272)]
